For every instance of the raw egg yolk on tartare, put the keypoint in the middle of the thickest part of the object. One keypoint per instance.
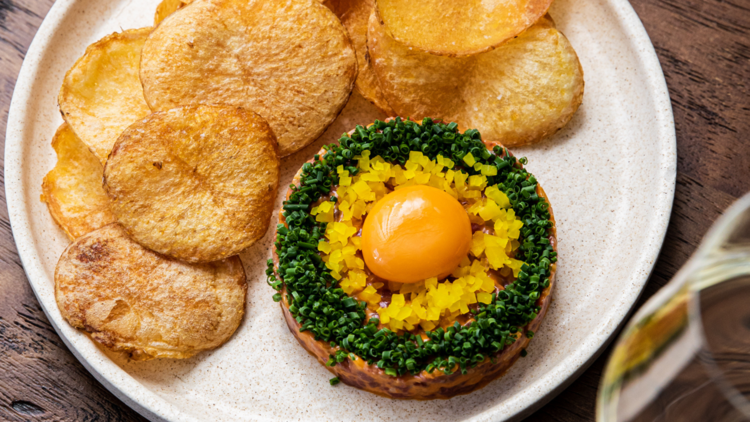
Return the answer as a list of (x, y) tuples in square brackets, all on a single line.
[(415, 233)]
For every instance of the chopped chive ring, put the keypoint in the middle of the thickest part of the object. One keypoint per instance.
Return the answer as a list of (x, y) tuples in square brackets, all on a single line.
[(321, 307)]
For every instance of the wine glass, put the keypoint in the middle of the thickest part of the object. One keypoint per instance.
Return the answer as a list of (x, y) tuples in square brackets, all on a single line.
[(685, 355)]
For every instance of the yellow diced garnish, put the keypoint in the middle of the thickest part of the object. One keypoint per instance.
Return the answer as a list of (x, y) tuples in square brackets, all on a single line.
[(494, 241), (477, 181), (364, 191), (498, 196), (422, 178), (475, 283), (370, 177), (324, 218), (358, 209), (485, 298), (370, 295), (383, 314), (433, 314), (324, 246), (427, 325), (411, 320), (459, 178), (469, 159), (469, 298), (488, 285), (475, 208), (427, 165), (399, 176), (403, 313), (515, 265), (489, 170), (477, 244), (496, 256), (501, 228), (456, 290), (420, 312), (515, 229), (472, 194), (476, 268), (490, 210), (431, 283)]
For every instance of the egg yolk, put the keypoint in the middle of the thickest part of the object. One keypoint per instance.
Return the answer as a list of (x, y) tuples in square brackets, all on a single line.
[(415, 233)]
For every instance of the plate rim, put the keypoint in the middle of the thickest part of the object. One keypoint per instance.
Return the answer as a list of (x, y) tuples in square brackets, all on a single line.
[(149, 404)]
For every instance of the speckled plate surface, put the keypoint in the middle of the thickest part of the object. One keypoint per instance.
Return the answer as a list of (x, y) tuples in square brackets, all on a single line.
[(610, 176)]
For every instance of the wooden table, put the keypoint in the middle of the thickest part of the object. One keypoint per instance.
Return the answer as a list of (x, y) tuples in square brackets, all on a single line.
[(704, 48)]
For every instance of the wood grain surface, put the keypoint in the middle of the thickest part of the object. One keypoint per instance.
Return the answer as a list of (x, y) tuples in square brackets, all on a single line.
[(704, 49)]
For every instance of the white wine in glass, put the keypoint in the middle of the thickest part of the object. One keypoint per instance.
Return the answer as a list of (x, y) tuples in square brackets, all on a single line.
[(685, 355)]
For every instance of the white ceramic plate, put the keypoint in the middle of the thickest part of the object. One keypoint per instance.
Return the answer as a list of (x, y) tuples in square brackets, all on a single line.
[(609, 174)]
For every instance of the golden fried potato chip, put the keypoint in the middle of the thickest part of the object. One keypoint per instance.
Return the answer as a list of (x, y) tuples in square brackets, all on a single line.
[(133, 300), (197, 183), (167, 7), (516, 94), (291, 62), (354, 14), (73, 188), (101, 94), (458, 28)]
